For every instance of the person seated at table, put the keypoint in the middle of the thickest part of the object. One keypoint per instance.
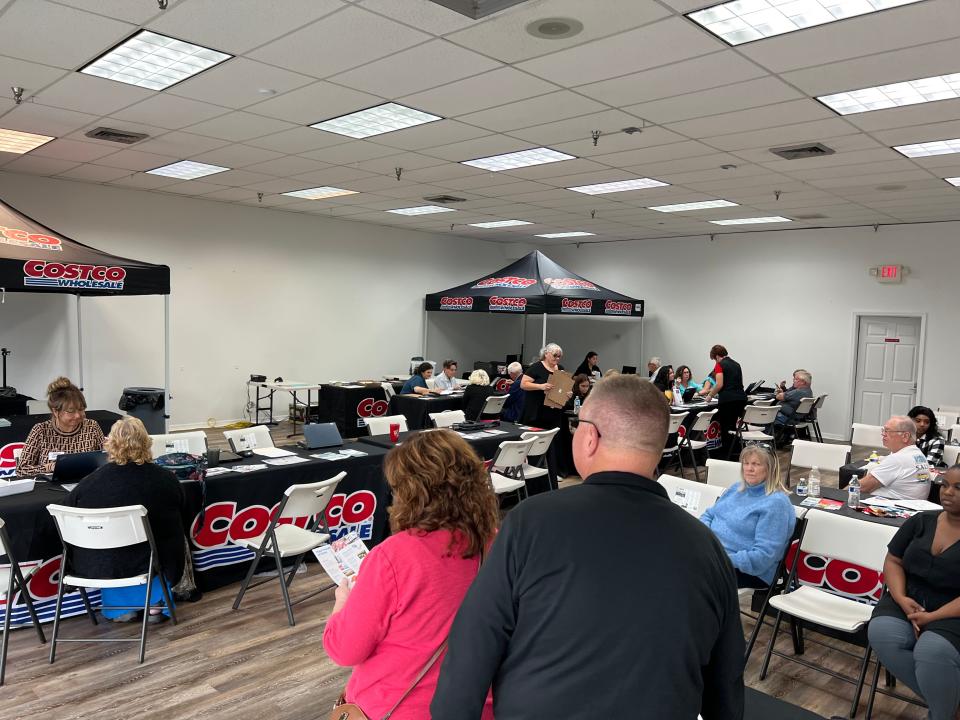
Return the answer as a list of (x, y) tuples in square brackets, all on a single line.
[(653, 364), (67, 431), (513, 407), (131, 478), (612, 372), (388, 624), (708, 382), (903, 474), (416, 384), (929, 439), (915, 628), (685, 378), (754, 519), (790, 399), (581, 388), (590, 366), (447, 379), (476, 393), (664, 381)]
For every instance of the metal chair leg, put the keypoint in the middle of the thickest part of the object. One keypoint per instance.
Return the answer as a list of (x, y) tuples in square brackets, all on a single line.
[(863, 675), (296, 566), (873, 690), (28, 601), (796, 634), (8, 610), (168, 601), (283, 585), (246, 580), (146, 613), (693, 460), (86, 603), (773, 640), (755, 633), (56, 615)]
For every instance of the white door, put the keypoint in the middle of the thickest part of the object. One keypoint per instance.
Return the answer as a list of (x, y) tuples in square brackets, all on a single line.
[(888, 349)]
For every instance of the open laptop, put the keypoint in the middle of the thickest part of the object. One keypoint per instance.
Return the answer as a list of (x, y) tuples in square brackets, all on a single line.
[(74, 467), (628, 370), (689, 394), (318, 435)]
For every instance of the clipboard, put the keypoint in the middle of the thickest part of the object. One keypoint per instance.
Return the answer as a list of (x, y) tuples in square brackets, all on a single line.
[(562, 382)]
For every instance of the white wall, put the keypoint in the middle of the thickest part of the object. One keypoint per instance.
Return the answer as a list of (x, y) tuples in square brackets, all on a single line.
[(777, 301), (253, 290)]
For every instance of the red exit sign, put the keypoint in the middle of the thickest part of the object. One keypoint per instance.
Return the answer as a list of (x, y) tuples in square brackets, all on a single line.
[(888, 273)]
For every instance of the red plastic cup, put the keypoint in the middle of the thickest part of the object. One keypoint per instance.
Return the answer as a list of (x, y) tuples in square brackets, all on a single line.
[(394, 432)]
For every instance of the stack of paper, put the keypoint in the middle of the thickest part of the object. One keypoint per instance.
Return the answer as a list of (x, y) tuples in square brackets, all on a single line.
[(272, 452)]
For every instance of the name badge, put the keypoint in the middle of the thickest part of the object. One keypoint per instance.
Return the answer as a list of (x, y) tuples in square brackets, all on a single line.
[(52, 456)]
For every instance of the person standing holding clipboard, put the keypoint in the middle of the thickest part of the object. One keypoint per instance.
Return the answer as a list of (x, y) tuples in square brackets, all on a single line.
[(536, 383)]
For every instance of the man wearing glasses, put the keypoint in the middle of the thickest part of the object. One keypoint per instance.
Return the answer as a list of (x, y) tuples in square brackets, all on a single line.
[(603, 599), (904, 474)]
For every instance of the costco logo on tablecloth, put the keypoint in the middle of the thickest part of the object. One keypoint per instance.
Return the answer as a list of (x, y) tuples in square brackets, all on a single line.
[(613, 307), (506, 282), (40, 273), (570, 284), (456, 303), (508, 304), (569, 305), (21, 238), (8, 459)]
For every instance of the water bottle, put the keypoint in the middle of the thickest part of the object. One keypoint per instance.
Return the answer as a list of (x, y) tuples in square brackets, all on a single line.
[(813, 490), (576, 406), (802, 487), (853, 493)]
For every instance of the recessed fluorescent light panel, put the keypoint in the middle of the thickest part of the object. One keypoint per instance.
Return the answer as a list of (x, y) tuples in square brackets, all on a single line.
[(953, 181), (500, 223), (565, 234), (376, 121), (319, 193), (926, 149), (752, 221), (14, 141), (684, 207), (522, 159), (154, 61), (187, 170), (911, 92), (742, 21), (421, 210), (621, 186)]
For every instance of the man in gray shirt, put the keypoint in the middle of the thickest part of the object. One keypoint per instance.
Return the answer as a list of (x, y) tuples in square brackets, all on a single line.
[(447, 379), (790, 399)]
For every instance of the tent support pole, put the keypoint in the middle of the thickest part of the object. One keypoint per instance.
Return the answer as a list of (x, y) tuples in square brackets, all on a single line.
[(166, 362), (523, 340), (79, 344), (544, 337), (641, 342), (426, 318)]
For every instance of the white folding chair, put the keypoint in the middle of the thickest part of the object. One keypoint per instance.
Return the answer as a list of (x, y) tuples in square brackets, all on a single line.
[(951, 454), (723, 473), (815, 414), (673, 451), (283, 539), (538, 452), (848, 540), (946, 419), (388, 390), (867, 436), (447, 418), (506, 468), (802, 418), (381, 425), (949, 408), (953, 433), (492, 407), (751, 426), (13, 579), (247, 439), (107, 529), (765, 402), (431, 383), (699, 426), (692, 496), (194, 442), (824, 456)]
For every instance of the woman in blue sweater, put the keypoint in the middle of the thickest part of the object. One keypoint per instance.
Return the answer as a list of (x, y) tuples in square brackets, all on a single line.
[(754, 519)]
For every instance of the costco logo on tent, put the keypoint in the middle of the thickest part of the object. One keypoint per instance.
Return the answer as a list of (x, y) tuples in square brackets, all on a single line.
[(506, 282), (40, 273), (456, 303), (509, 304), (613, 307), (568, 305), (570, 284), (21, 238)]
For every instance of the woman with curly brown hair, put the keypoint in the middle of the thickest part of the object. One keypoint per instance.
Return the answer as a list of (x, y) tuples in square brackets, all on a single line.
[(398, 613)]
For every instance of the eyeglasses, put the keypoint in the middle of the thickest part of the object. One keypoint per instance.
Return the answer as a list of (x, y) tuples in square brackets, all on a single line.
[(758, 444), (575, 423), (884, 431)]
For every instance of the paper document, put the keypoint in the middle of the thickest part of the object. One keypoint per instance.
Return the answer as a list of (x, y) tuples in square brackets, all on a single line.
[(69, 486), (494, 432), (214, 471), (353, 453), (822, 503), (908, 504), (342, 558), (272, 452), (248, 468), (687, 499), (352, 387), (291, 460), (181, 445), (562, 382)]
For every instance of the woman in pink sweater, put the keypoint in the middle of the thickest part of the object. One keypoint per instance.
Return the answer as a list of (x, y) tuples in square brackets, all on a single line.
[(399, 610)]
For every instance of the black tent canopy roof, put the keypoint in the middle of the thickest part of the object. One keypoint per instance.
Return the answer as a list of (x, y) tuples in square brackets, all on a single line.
[(535, 285)]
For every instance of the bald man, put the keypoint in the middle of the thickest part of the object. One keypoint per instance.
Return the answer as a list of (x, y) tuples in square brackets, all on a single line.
[(904, 474), (603, 599)]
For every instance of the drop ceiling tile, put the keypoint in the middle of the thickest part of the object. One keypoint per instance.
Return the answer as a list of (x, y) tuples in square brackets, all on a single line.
[(504, 37), (136, 160), (73, 150), (287, 166), (687, 164), (714, 101), (239, 178), (657, 153), (559, 169), (442, 132), (35, 165), (236, 156), (609, 122), (232, 194), (664, 42), (170, 111), (913, 134), (239, 82), (57, 35), (331, 45), (895, 28), (36, 118), (511, 190), (940, 111), (271, 198), (94, 173), (298, 140), (30, 76), (144, 181), (179, 144), (408, 161), (839, 171), (371, 184), (426, 66), (277, 186), (617, 147), (240, 126), (741, 121), (203, 21), (314, 103), (342, 177), (478, 182), (533, 111), (442, 173), (192, 187), (94, 95), (124, 10), (872, 179), (703, 73), (421, 14), (477, 148), (781, 136), (349, 152), (497, 87)]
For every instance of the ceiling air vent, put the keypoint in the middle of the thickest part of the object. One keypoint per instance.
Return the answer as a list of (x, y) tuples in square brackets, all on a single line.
[(118, 136), (444, 199), (799, 152), (476, 9)]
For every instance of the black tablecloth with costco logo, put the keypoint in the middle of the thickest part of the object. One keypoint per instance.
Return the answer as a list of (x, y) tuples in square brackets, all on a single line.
[(350, 404), (417, 408)]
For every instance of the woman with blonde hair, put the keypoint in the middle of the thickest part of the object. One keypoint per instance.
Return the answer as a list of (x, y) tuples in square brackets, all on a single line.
[(754, 519), (476, 393), (399, 611), (131, 478), (67, 431)]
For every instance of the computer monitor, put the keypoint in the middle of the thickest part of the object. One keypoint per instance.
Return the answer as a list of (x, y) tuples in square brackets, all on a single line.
[(628, 370)]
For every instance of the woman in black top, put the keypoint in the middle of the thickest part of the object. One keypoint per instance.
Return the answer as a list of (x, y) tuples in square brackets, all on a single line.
[(590, 365), (731, 397), (131, 478), (915, 629), (534, 382), (476, 394)]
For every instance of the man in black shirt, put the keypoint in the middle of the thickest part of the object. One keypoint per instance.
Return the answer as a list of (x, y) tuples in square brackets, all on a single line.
[(604, 599)]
